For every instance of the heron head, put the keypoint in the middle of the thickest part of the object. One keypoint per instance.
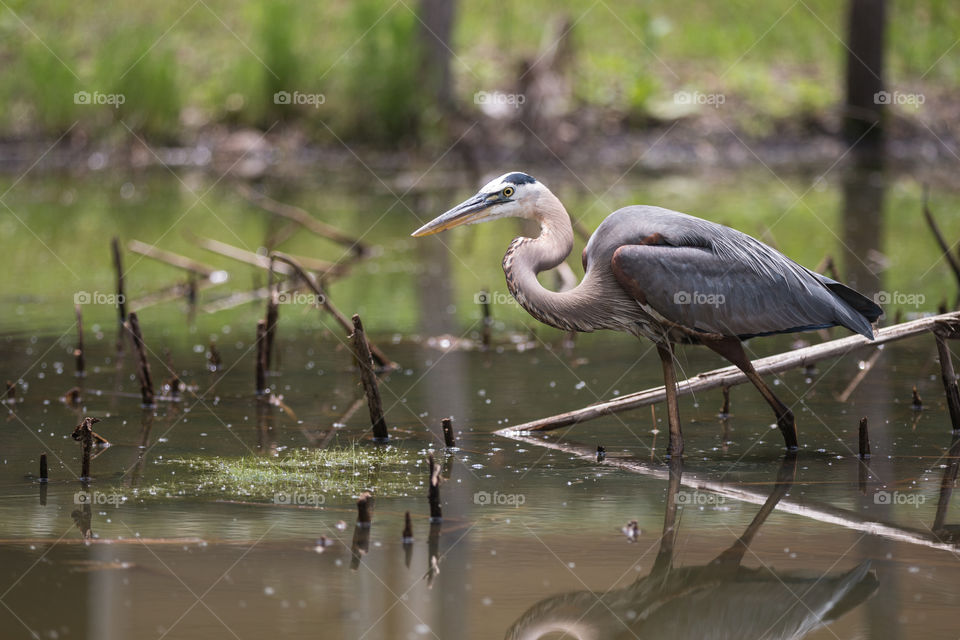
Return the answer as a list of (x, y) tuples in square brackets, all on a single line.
[(509, 196)]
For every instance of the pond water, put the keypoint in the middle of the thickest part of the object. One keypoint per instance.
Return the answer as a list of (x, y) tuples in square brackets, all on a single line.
[(176, 536)]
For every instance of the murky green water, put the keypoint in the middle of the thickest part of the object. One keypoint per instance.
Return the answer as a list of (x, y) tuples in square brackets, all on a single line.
[(531, 542)]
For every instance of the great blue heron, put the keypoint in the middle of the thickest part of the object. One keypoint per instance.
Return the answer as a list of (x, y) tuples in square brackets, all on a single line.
[(666, 276)]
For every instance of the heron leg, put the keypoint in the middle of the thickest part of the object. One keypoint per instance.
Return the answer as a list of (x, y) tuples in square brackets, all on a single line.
[(731, 349), (675, 444)]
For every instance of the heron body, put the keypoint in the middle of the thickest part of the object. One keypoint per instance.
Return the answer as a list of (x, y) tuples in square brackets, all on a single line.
[(663, 275)]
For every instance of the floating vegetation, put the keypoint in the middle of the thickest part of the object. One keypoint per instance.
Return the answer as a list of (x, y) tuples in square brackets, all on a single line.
[(308, 477)]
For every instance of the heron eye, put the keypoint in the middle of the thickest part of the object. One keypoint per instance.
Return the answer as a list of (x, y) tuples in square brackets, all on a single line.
[(507, 192)]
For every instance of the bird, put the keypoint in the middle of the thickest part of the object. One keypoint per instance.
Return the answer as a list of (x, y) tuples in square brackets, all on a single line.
[(666, 276)]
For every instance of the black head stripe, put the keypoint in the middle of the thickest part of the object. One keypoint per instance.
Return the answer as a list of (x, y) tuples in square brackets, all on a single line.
[(519, 178)]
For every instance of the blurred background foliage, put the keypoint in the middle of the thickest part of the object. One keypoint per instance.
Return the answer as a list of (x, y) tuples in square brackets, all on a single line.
[(185, 64)]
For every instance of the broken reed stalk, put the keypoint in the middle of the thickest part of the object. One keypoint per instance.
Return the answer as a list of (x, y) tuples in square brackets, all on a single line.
[(487, 327), (261, 376), (944, 247), (864, 439), (364, 521), (407, 536), (949, 378), (731, 376), (273, 314), (449, 440), (361, 354), (121, 296), (78, 351), (143, 365), (302, 218), (861, 374), (433, 491), (916, 402), (379, 356), (44, 477), (84, 433), (10, 396)]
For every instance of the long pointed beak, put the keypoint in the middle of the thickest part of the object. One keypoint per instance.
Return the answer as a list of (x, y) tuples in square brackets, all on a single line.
[(467, 211)]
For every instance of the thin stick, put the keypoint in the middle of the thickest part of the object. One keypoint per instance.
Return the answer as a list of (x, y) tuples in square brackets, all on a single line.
[(361, 353), (121, 296), (407, 536), (864, 439), (273, 314), (143, 369), (949, 378), (170, 258), (363, 510), (944, 247), (731, 376), (725, 409), (379, 356), (257, 260), (261, 378), (44, 477), (214, 361), (433, 491), (84, 433), (78, 351), (916, 402), (301, 217), (448, 438)]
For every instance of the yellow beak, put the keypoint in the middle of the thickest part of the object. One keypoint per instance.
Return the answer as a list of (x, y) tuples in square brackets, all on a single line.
[(468, 211)]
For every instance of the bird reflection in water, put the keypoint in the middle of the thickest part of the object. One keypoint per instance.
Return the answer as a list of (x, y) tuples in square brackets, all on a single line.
[(721, 599)]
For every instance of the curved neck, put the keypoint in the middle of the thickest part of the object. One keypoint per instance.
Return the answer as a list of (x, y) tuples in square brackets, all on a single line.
[(527, 257)]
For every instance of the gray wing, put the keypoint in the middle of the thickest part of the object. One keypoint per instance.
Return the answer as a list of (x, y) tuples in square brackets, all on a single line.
[(709, 277)]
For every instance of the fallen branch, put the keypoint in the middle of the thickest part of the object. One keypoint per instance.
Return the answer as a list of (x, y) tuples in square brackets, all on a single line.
[(257, 260), (170, 258), (730, 376), (379, 356)]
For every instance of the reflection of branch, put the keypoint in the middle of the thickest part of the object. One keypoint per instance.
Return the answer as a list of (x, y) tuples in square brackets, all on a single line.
[(730, 376), (821, 512)]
